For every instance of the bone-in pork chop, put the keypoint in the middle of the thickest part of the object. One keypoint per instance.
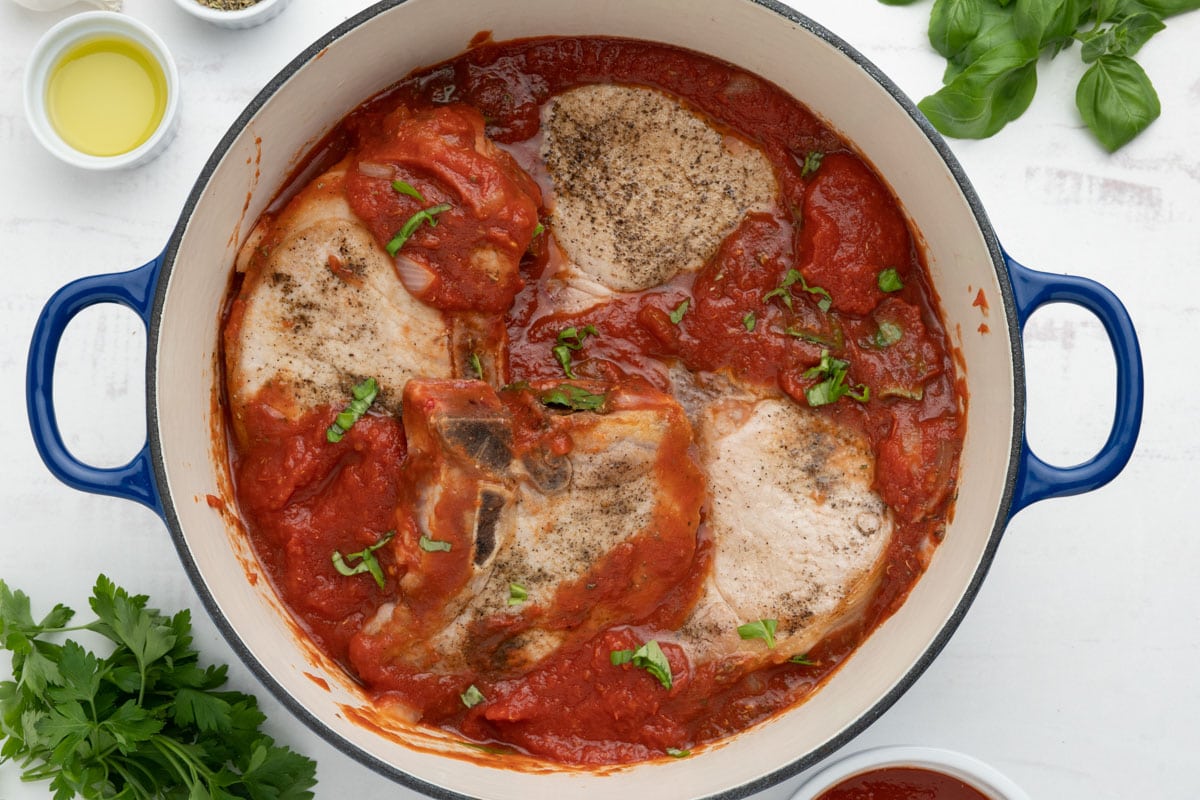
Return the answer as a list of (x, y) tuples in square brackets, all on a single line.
[(643, 187), (590, 514), (321, 307), (799, 535)]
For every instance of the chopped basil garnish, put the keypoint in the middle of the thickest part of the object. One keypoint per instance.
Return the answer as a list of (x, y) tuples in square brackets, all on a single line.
[(403, 187), (572, 397), (517, 594), (831, 372), (889, 280), (433, 545), (749, 321), (539, 230), (364, 394), (808, 336), (428, 215), (803, 659), (649, 657), (677, 313), (902, 391), (888, 334), (792, 277), (571, 340), (675, 752), (366, 560), (763, 629), (476, 365), (472, 697), (812, 163)]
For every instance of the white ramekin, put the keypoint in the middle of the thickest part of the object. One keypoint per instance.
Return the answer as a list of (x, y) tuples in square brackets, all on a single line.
[(975, 773), (51, 47), (256, 14)]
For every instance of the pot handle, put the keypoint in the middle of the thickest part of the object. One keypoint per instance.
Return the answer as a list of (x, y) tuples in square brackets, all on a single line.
[(134, 290), (1037, 480)]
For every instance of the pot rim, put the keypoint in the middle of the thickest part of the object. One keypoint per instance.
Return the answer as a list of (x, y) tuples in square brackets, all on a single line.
[(788, 770)]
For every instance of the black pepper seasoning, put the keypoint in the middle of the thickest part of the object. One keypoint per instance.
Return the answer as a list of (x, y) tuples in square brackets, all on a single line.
[(227, 5)]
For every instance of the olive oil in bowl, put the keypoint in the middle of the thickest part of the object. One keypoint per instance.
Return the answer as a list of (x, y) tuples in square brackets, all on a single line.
[(106, 95)]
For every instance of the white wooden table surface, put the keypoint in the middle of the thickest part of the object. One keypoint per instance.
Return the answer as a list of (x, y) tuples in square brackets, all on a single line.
[(1077, 670)]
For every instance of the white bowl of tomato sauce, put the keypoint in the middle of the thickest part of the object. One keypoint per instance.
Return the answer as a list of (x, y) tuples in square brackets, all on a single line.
[(909, 772), (332, 638)]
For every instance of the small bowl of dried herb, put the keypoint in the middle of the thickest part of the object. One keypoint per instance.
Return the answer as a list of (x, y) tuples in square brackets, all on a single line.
[(233, 13)]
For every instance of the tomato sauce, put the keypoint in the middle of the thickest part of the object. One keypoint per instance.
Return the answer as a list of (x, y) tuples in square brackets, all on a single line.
[(902, 783), (837, 227)]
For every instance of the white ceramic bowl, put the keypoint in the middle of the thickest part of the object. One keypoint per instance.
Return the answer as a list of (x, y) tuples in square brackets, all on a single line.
[(47, 52), (256, 14), (971, 771), (180, 295)]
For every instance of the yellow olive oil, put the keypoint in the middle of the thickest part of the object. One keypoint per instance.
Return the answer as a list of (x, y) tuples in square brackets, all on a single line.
[(106, 95)]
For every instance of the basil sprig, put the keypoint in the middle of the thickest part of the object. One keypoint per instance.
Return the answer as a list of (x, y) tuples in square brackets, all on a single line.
[(364, 394), (366, 561), (649, 657), (992, 49)]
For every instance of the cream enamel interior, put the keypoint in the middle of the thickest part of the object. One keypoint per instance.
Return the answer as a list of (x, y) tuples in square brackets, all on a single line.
[(420, 32)]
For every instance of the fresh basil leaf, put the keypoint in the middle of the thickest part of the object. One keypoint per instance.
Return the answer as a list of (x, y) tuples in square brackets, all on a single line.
[(1046, 23), (897, 2), (987, 95), (802, 659), (953, 24), (1169, 8), (472, 696), (888, 334), (677, 313), (366, 561), (572, 397), (404, 187), (1116, 100), (831, 375), (425, 216), (571, 340), (749, 321), (517, 594), (675, 752), (433, 545), (888, 280), (1123, 39), (649, 657), (812, 163), (762, 629)]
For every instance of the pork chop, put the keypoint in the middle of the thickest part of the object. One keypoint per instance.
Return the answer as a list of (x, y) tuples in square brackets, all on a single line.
[(799, 535), (592, 515), (321, 307), (643, 187)]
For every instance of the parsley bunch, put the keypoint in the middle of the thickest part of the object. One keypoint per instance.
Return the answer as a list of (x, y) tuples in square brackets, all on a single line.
[(147, 721), (992, 49)]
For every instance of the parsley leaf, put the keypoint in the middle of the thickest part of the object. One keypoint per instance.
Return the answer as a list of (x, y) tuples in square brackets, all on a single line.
[(146, 721), (812, 163)]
